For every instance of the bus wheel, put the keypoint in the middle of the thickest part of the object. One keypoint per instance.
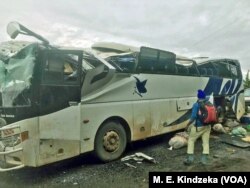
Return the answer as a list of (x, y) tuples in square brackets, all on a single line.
[(110, 141)]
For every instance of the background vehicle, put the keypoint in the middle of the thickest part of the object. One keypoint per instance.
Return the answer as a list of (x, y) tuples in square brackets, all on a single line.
[(58, 103)]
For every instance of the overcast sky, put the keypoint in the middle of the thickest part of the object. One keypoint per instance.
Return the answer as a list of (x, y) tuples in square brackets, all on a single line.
[(214, 28)]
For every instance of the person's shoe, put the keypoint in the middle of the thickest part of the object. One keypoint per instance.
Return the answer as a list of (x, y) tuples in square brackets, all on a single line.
[(204, 159), (189, 160)]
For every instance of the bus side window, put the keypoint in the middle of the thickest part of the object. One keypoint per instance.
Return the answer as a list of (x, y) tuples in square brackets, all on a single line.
[(149, 66), (170, 69), (216, 73), (155, 61), (147, 59), (203, 71), (166, 63), (193, 71), (210, 72), (176, 69), (53, 70), (182, 70), (164, 68)]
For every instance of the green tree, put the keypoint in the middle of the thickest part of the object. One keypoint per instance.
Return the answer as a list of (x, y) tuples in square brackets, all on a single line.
[(247, 81)]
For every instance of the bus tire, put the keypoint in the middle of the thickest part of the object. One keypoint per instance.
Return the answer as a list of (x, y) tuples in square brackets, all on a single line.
[(110, 141)]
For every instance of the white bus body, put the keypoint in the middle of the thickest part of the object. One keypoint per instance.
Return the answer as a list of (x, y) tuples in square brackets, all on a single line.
[(115, 106)]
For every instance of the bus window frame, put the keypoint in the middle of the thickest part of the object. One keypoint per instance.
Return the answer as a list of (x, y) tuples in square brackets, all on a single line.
[(155, 63), (169, 68), (215, 64), (193, 66), (228, 63), (63, 82)]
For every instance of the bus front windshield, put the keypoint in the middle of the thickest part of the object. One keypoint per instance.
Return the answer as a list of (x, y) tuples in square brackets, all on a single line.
[(16, 72)]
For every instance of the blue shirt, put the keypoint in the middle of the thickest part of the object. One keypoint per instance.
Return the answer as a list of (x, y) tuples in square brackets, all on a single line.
[(194, 115)]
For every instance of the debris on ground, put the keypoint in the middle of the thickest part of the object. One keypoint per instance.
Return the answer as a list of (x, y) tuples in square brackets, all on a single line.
[(219, 128), (245, 119), (139, 157), (247, 127), (216, 156), (230, 150), (178, 141), (246, 139), (239, 131), (235, 141), (130, 165), (231, 123), (170, 148)]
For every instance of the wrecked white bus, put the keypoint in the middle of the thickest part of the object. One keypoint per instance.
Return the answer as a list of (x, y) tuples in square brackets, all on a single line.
[(57, 103)]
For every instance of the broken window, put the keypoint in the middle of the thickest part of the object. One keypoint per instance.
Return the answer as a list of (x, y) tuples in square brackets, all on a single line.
[(155, 61), (225, 69), (16, 73), (207, 69), (60, 68), (221, 68), (123, 62), (186, 67)]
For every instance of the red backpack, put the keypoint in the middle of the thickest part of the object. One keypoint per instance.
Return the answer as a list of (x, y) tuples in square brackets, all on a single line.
[(207, 113)]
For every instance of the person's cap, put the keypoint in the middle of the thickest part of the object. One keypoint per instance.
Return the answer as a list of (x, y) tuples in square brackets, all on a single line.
[(201, 94)]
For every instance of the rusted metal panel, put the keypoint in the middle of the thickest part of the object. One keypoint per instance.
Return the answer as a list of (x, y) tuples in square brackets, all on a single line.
[(52, 150)]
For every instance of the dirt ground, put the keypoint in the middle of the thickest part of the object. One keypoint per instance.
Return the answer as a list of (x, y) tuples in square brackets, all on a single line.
[(85, 171)]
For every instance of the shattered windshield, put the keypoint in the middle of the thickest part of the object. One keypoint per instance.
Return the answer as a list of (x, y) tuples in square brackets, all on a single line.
[(15, 76)]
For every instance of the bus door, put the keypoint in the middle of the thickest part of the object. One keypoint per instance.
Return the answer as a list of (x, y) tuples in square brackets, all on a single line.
[(59, 101)]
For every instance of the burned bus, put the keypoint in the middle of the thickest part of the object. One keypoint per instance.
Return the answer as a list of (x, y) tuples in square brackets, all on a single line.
[(57, 102)]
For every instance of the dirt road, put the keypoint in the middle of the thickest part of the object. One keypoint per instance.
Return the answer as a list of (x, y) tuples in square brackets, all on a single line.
[(84, 171)]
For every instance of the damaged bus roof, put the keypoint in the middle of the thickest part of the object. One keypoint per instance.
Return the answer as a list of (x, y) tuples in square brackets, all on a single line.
[(9, 48), (203, 60)]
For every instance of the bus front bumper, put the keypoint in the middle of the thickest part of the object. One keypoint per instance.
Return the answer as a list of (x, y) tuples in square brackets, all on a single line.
[(11, 151)]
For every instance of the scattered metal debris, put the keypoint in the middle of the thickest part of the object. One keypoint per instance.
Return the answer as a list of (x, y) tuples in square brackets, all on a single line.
[(170, 148), (130, 165), (235, 142), (216, 156), (230, 150), (139, 157), (145, 157)]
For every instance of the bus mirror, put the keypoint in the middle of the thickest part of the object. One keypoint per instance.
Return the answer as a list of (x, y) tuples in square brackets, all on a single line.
[(13, 29)]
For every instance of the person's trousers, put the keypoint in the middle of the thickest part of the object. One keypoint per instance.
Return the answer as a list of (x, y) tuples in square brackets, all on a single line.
[(204, 133)]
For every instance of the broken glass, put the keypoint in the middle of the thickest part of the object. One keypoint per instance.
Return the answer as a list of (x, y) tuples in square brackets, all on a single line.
[(15, 76)]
